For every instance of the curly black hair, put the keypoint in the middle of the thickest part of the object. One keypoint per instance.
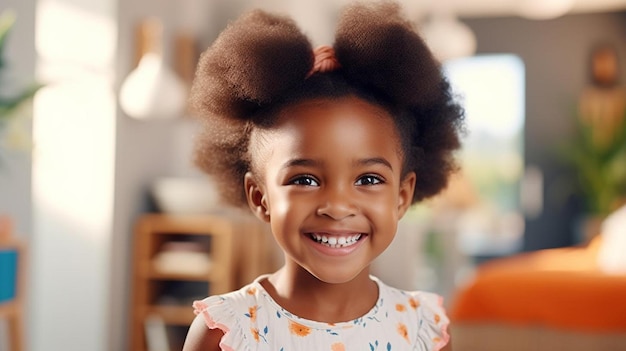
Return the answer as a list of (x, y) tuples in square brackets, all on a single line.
[(260, 63)]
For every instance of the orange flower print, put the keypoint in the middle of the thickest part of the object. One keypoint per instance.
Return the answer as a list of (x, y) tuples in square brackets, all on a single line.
[(251, 291), (252, 313), (255, 334), (400, 307), (298, 329), (436, 339), (402, 330), (338, 346), (437, 319), (414, 303)]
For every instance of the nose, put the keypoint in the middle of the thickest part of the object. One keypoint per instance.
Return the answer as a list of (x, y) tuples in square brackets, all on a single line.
[(337, 203)]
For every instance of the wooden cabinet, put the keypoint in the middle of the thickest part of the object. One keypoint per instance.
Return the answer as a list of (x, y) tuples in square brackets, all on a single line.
[(236, 246)]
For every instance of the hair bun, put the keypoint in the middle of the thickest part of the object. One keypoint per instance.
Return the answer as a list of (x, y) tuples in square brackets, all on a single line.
[(384, 53), (252, 62)]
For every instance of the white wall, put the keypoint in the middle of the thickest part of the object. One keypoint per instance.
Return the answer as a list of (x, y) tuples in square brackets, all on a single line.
[(73, 174)]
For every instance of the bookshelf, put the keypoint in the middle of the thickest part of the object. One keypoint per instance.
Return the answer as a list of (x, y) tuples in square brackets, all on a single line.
[(236, 246)]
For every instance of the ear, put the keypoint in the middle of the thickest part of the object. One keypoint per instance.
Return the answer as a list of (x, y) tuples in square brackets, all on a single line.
[(257, 200), (407, 187)]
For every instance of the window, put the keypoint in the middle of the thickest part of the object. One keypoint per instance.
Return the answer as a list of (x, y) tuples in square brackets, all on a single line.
[(491, 88)]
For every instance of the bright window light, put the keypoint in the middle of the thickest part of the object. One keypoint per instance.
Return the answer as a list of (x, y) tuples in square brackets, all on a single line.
[(491, 88)]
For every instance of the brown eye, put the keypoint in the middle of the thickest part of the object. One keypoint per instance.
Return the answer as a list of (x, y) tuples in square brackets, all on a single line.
[(369, 180), (304, 181)]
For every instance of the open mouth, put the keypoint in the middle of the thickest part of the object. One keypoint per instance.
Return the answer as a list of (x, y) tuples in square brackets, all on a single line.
[(335, 241)]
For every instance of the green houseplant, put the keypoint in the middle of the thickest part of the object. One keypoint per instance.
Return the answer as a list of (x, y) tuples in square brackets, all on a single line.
[(600, 167), (597, 150), (10, 100)]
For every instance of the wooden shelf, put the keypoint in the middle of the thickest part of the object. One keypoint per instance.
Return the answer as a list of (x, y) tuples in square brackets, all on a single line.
[(154, 275), (154, 231), (172, 315), (233, 260)]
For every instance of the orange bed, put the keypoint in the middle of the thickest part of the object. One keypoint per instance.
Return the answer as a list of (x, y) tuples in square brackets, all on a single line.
[(556, 289)]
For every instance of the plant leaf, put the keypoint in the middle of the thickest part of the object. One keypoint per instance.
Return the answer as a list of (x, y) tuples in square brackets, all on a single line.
[(7, 105), (7, 19)]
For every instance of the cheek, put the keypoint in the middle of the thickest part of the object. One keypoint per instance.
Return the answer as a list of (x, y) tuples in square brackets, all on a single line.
[(385, 211), (283, 208), (280, 207)]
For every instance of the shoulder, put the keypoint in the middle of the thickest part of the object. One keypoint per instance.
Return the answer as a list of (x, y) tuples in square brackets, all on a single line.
[(416, 300), (227, 305), (422, 312), (201, 338), (219, 319)]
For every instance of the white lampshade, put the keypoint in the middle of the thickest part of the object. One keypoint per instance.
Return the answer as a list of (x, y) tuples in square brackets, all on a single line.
[(544, 9), (448, 38), (152, 90)]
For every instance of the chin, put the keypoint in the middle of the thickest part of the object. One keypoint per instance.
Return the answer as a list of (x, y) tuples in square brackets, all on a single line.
[(336, 277)]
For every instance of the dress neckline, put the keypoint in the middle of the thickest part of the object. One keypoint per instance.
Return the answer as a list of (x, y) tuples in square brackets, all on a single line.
[(281, 312)]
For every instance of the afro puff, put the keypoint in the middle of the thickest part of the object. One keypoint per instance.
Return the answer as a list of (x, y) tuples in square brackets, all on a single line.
[(261, 63)]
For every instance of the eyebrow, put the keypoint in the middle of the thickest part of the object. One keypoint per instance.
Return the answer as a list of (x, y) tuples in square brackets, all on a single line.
[(374, 161), (300, 162), (307, 162)]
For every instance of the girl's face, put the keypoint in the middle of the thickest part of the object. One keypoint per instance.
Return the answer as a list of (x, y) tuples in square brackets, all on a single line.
[(329, 183)]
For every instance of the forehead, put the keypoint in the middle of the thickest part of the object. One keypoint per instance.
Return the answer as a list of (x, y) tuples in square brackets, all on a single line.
[(319, 124)]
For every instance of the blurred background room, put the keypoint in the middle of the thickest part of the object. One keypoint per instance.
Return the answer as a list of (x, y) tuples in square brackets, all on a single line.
[(108, 231)]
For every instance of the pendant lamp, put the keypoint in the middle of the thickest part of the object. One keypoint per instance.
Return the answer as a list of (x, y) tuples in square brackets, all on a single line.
[(152, 90)]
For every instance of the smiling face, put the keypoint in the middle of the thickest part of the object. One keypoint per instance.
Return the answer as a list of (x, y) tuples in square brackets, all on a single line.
[(328, 180)]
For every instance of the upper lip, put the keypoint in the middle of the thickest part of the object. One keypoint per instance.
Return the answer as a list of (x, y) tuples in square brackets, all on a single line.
[(335, 232)]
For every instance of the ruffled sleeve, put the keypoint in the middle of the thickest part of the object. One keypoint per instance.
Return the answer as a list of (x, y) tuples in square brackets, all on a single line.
[(434, 322), (218, 314)]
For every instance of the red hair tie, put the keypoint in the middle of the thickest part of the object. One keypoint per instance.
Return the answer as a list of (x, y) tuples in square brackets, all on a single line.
[(325, 60)]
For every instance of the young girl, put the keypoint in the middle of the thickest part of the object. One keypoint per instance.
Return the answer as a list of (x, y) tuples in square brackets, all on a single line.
[(330, 147)]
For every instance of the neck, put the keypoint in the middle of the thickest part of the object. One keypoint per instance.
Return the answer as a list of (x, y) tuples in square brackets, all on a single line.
[(304, 295)]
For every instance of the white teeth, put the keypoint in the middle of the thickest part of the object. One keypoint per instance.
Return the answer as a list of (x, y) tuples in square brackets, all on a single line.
[(336, 242)]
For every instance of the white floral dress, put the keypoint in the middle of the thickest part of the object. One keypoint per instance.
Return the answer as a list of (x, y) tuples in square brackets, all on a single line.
[(252, 321)]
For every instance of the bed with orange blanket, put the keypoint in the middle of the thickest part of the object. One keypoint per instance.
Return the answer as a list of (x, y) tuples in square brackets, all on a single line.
[(556, 299)]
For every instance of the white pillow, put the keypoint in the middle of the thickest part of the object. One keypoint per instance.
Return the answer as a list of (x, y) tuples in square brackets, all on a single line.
[(612, 254)]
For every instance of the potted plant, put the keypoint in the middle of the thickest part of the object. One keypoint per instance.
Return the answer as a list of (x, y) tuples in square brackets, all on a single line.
[(601, 168), (10, 100), (599, 165), (597, 150)]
